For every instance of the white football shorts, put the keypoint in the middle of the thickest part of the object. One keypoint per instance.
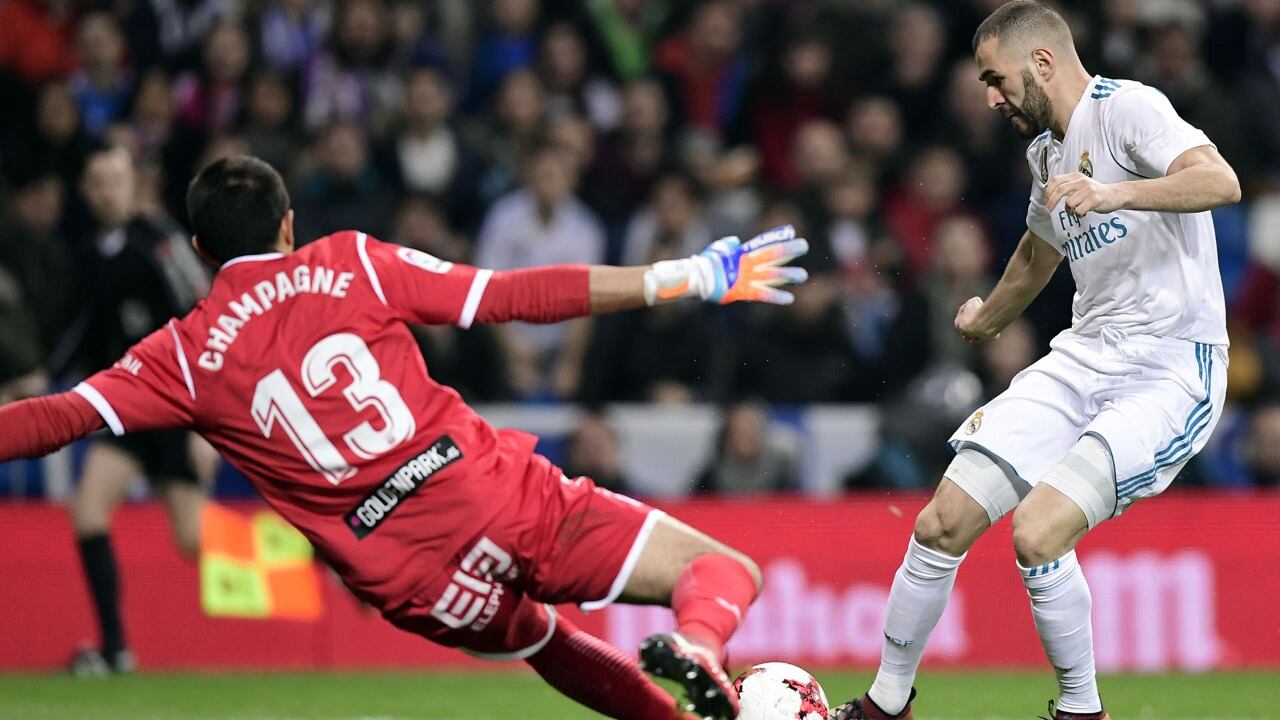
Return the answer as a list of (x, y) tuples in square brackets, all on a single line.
[(1153, 402)]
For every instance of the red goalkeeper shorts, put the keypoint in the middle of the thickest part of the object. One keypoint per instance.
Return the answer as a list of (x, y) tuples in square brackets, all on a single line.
[(558, 540)]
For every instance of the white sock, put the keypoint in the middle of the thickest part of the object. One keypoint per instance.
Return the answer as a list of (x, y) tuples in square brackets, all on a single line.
[(919, 595), (1060, 604)]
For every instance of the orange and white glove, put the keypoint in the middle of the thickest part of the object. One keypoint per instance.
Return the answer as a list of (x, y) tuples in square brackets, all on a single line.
[(730, 270)]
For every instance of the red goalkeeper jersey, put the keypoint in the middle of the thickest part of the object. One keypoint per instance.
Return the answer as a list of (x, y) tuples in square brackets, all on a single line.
[(301, 371)]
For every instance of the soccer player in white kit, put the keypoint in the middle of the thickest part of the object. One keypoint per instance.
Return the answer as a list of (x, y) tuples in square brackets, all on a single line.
[(1122, 188)]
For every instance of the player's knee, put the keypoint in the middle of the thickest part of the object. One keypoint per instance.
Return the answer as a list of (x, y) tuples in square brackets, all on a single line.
[(753, 570), (1034, 542), (747, 564), (187, 540), (937, 531), (87, 516)]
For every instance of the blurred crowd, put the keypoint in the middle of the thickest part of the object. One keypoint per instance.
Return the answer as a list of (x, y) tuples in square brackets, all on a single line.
[(510, 133)]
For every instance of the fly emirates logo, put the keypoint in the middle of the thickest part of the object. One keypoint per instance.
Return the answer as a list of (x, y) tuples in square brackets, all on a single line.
[(305, 279), (1085, 240)]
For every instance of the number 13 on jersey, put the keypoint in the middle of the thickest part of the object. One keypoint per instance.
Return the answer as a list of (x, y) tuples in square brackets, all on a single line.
[(276, 402)]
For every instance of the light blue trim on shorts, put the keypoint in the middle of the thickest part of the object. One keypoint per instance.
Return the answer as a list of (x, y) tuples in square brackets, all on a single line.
[(1179, 449)]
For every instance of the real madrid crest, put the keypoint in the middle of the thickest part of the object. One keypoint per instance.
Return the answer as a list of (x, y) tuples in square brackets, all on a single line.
[(1044, 164), (975, 422), (1086, 165)]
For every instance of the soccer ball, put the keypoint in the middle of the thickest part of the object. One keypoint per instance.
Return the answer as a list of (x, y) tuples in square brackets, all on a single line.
[(778, 691)]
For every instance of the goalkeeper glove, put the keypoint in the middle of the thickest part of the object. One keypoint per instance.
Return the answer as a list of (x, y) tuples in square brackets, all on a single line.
[(729, 271)]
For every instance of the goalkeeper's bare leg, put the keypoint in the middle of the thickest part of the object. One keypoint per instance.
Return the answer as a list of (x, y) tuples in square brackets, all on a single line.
[(709, 586)]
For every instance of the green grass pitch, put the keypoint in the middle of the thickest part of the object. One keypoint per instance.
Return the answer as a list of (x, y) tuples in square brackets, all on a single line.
[(520, 696)]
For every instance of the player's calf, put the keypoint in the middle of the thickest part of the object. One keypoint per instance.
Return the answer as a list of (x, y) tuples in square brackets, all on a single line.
[(709, 586), (601, 677)]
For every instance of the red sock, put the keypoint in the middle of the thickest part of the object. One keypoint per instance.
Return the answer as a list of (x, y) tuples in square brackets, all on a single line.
[(598, 675), (711, 598)]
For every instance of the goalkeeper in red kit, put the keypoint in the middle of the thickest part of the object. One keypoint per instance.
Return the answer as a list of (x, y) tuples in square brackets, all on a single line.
[(300, 369)]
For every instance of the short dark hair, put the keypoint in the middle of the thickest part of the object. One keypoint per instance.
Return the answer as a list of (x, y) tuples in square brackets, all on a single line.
[(1023, 19), (235, 206)]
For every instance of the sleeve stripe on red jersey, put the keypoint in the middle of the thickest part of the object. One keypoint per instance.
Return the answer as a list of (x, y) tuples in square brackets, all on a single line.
[(474, 296), (182, 360), (361, 240), (99, 403)]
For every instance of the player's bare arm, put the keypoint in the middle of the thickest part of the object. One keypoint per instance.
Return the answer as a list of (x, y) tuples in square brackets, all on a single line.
[(1028, 271), (1199, 179)]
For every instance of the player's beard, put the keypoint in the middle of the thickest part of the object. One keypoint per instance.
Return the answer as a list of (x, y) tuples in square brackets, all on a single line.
[(1036, 112)]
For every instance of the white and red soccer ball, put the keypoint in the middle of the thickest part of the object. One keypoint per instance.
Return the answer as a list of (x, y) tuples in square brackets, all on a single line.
[(778, 691)]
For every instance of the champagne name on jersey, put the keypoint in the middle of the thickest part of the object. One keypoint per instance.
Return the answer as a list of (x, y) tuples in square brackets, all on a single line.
[(265, 295)]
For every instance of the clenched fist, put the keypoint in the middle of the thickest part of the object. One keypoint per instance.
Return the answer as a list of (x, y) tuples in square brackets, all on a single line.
[(968, 325)]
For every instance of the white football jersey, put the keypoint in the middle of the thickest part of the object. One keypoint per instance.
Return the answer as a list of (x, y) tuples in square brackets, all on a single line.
[(1142, 272)]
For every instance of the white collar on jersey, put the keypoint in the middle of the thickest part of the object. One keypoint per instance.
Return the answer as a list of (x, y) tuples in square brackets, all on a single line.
[(252, 258)]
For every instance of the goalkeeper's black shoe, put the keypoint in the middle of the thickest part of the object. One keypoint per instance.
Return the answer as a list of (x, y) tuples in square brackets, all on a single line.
[(89, 662), (707, 687), (864, 708), (1056, 714)]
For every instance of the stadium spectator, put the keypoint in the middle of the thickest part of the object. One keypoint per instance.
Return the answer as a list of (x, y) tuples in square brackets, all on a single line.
[(422, 225), (932, 189), (800, 88), (183, 27), (103, 84), (707, 67), (55, 138), (1119, 37), (1006, 356), (470, 361), (751, 458), (735, 198), (1260, 93), (353, 79), (417, 43), (428, 155), (875, 131), (984, 144), (209, 100), (593, 452), (574, 136), (802, 353), (886, 319), (626, 30), (849, 224), (1175, 66), (270, 124), (667, 355), (1263, 447), (20, 371), (915, 74), (819, 160), (543, 223), (345, 191), (38, 263), (669, 358), (960, 271), (629, 159), (152, 116), (516, 124), (572, 88), (671, 225), (509, 44), (37, 40), (292, 32)]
